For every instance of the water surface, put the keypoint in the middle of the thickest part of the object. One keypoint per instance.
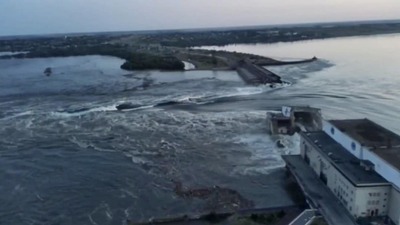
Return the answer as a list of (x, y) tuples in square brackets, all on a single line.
[(68, 156)]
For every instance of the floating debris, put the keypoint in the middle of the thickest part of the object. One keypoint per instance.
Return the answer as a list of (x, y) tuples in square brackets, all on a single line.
[(48, 71)]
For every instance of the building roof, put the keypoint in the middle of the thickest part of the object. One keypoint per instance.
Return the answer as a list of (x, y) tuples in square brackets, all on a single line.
[(277, 116), (306, 108), (381, 141), (345, 162)]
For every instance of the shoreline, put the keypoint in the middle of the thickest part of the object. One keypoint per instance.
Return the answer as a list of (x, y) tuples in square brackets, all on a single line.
[(167, 50)]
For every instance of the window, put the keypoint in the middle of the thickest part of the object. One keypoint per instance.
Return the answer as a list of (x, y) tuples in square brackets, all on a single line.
[(332, 130), (353, 146), (384, 206)]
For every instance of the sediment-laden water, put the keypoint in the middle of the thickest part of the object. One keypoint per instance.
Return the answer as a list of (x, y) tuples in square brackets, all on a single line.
[(68, 156)]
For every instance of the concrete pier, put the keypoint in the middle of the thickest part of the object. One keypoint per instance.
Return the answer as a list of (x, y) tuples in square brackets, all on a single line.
[(254, 75)]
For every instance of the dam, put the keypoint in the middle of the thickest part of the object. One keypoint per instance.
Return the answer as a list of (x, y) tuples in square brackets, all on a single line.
[(254, 75)]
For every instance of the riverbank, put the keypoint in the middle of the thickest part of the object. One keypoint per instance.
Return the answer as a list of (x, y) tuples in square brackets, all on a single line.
[(266, 34), (133, 60), (167, 50), (142, 57)]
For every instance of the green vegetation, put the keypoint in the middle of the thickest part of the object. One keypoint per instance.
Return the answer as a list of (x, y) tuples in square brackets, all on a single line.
[(147, 61), (267, 35), (166, 50)]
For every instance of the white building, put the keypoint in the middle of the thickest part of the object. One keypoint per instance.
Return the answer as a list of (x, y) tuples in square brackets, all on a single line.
[(378, 147), (361, 190)]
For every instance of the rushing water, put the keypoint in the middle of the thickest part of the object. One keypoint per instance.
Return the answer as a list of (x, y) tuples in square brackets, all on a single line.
[(67, 156), (361, 77)]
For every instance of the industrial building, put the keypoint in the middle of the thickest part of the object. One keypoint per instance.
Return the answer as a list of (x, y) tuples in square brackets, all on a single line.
[(290, 118), (359, 161)]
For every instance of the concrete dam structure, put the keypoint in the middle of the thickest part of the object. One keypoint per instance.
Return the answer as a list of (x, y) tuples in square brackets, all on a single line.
[(254, 75)]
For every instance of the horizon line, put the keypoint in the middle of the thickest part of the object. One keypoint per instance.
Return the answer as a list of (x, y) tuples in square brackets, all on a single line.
[(200, 29)]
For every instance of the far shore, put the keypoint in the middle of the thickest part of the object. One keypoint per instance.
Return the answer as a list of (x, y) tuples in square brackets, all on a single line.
[(169, 50)]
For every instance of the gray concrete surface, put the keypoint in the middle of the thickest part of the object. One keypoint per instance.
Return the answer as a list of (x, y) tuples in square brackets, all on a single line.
[(304, 218), (317, 192)]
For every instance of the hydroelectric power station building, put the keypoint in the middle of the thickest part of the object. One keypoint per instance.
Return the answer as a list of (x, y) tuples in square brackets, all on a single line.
[(359, 161)]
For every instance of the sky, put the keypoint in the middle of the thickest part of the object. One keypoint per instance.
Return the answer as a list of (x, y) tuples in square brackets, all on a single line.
[(20, 17)]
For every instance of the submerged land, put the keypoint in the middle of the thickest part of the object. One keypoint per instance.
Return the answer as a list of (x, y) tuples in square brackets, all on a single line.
[(165, 50)]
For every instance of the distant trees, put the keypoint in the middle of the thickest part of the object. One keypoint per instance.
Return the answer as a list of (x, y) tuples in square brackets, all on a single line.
[(147, 61), (268, 34)]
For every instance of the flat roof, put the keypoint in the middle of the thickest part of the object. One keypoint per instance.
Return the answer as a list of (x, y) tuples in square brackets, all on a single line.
[(342, 160), (278, 116), (381, 141), (306, 108)]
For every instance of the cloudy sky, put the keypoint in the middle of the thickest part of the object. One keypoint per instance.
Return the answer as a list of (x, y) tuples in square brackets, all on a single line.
[(64, 16)]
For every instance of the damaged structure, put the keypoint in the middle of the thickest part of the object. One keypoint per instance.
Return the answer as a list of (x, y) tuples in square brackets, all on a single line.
[(294, 118), (359, 161)]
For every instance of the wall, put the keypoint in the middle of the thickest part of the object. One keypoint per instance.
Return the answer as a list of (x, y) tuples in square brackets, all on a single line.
[(394, 209), (336, 182), (343, 189), (315, 158), (359, 201), (383, 168), (390, 173), (353, 146), (373, 199)]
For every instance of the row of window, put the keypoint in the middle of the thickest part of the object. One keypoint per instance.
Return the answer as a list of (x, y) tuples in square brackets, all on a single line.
[(376, 194), (373, 202)]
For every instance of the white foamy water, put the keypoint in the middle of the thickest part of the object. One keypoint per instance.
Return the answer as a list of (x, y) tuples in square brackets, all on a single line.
[(11, 53), (63, 139), (189, 66)]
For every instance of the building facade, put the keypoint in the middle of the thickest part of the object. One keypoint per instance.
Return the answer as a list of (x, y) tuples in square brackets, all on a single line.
[(369, 141), (361, 190)]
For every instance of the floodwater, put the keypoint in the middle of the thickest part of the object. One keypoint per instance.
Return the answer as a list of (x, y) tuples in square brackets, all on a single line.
[(360, 77), (67, 156)]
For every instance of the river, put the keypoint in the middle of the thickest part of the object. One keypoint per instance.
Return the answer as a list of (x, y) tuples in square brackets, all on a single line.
[(356, 77), (68, 156)]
